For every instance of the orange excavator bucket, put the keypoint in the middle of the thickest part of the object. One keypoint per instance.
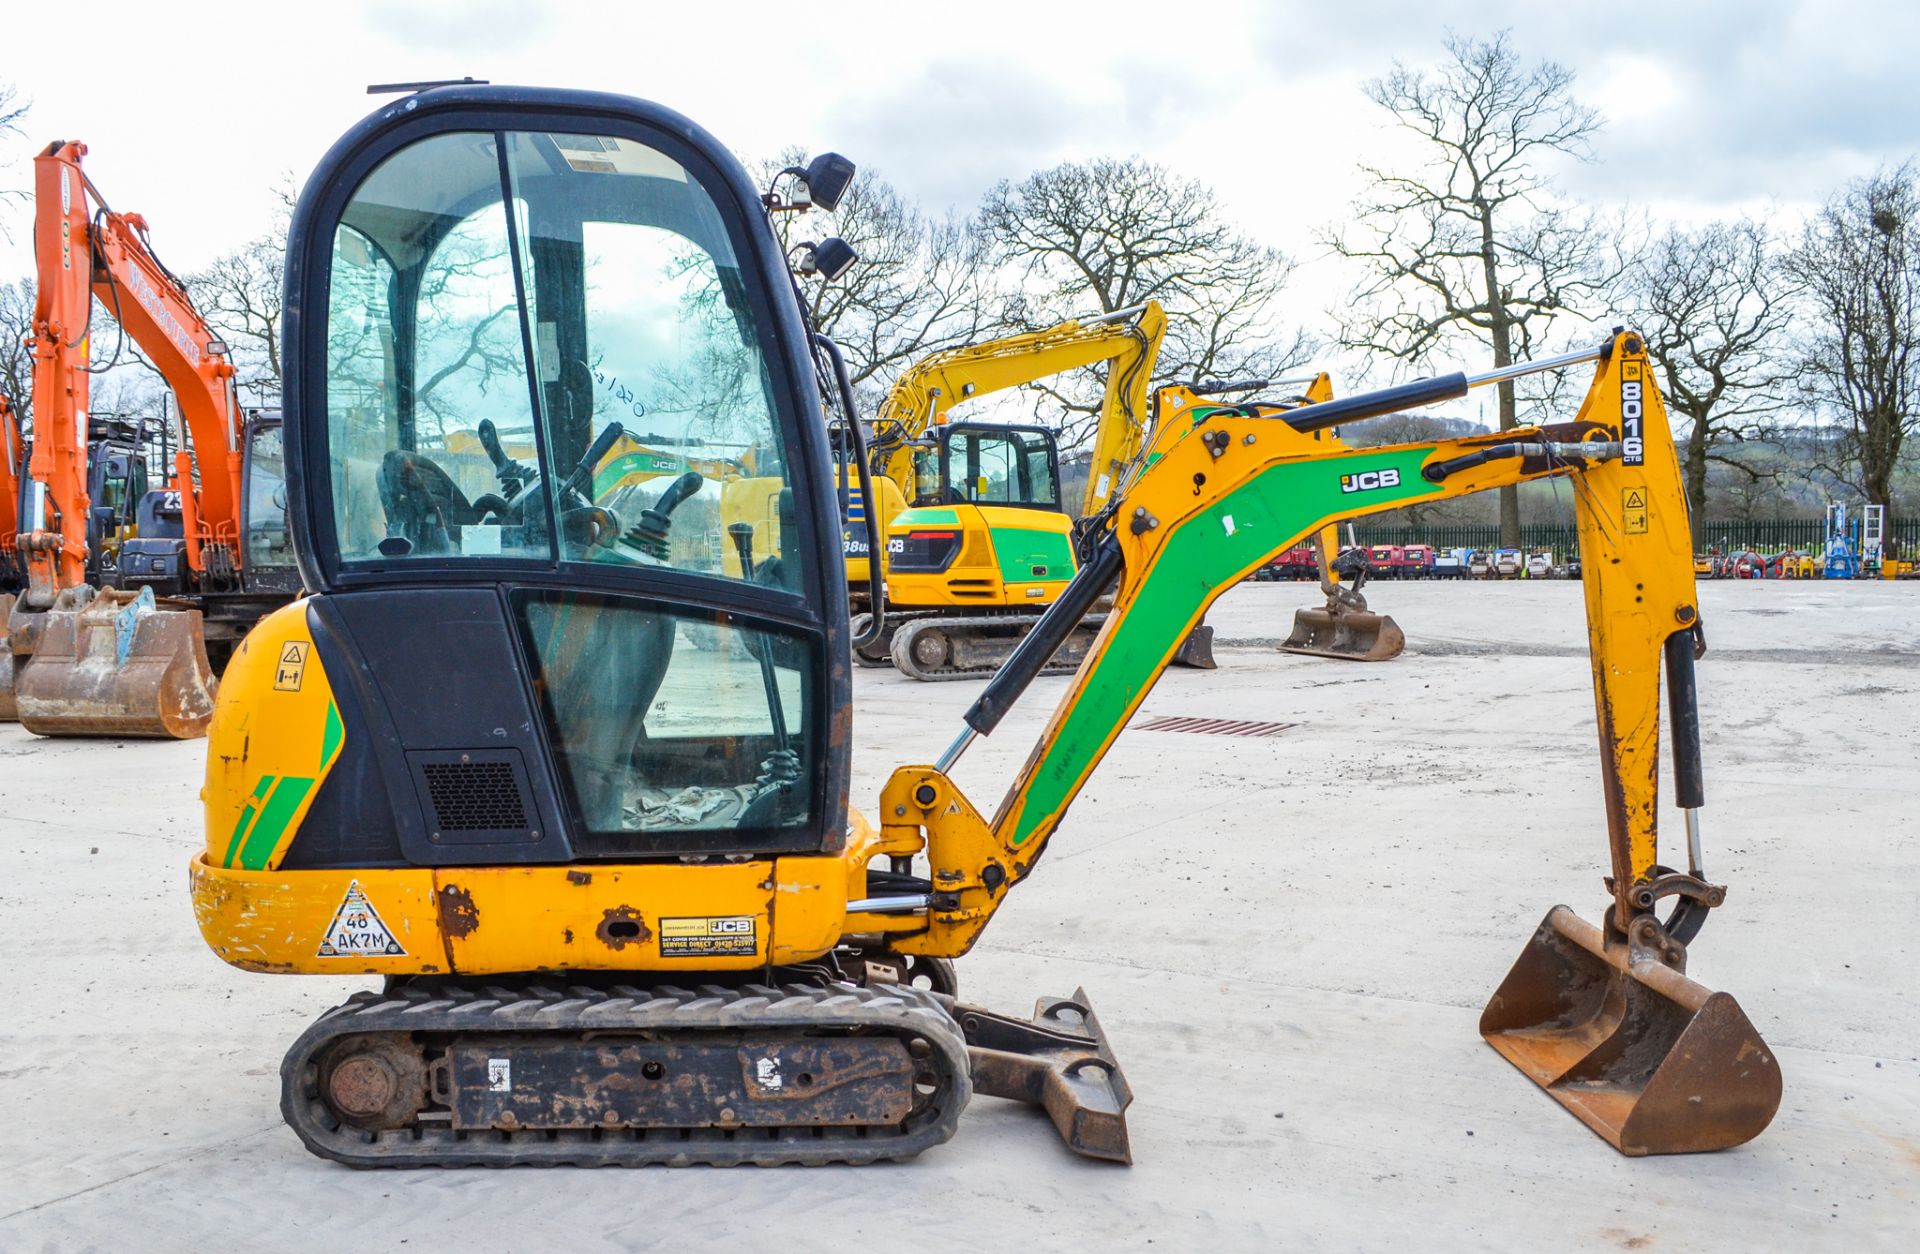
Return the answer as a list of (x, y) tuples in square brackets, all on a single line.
[(113, 663), (8, 710), (1612, 1029), (1344, 628), (19, 633)]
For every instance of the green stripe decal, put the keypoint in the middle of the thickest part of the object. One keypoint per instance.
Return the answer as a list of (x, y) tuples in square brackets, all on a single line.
[(926, 518), (273, 821), (1021, 551), (248, 813), (1279, 506), (330, 736)]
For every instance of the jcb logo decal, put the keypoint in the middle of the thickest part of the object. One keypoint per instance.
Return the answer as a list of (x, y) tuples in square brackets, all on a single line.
[(1369, 480), (1633, 448)]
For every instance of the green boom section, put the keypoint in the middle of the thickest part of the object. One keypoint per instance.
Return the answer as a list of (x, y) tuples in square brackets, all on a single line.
[(1269, 512), (609, 475)]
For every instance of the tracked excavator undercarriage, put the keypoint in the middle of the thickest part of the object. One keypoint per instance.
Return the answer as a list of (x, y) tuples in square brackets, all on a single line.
[(607, 874)]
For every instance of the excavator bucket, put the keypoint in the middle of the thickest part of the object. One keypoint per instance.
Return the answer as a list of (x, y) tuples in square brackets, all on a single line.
[(1615, 1032), (1196, 651), (1340, 631), (115, 664), (20, 630), (9, 709)]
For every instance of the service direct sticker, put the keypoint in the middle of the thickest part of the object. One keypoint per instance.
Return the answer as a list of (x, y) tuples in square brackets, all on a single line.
[(729, 936)]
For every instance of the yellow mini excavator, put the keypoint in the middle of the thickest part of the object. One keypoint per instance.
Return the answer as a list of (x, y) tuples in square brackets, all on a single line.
[(619, 907), (979, 539)]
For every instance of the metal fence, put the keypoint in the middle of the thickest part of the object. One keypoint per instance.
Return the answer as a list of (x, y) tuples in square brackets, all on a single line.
[(1765, 535)]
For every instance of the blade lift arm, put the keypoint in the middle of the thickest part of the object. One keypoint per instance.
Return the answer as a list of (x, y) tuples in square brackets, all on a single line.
[(1218, 504)]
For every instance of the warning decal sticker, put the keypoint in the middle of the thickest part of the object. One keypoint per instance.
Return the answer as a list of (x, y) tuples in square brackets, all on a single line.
[(730, 937), (356, 930), (293, 667), (1633, 511)]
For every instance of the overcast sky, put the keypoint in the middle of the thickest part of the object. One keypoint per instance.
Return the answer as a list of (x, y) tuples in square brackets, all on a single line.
[(192, 111)]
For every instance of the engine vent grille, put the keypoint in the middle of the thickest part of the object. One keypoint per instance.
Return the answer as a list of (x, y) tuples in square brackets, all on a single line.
[(477, 796), (474, 796)]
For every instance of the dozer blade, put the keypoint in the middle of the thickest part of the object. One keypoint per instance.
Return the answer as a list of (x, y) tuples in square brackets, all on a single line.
[(1058, 1060), (114, 664), (1644, 1056), (1356, 635)]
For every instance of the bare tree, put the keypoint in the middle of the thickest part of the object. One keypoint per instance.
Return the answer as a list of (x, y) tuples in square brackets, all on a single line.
[(918, 287), (1105, 235), (16, 358), (1858, 262), (1474, 243), (12, 110), (1713, 305), (239, 296)]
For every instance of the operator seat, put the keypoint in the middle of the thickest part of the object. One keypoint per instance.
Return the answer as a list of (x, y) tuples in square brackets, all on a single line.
[(422, 502)]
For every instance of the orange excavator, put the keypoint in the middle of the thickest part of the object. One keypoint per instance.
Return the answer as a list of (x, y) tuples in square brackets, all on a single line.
[(130, 656)]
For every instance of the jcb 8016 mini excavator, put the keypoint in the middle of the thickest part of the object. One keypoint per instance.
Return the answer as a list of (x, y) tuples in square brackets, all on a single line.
[(621, 908)]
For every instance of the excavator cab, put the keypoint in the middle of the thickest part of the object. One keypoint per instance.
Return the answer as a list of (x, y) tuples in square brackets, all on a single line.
[(573, 294), (985, 545)]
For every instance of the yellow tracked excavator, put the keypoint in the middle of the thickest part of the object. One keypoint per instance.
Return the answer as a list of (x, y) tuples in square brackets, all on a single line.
[(979, 540), (609, 882)]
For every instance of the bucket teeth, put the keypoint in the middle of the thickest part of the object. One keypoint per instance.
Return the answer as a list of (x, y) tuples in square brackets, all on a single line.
[(1652, 1061)]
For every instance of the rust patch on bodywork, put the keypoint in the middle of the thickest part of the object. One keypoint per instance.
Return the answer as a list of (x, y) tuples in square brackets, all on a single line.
[(458, 915), (622, 926)]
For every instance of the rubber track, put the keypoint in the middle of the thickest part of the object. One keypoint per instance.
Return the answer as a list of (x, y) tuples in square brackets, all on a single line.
[(903, 653), (540, 1009)]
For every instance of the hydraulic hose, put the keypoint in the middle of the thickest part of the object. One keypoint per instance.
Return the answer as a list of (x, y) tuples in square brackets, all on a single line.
[(1038, 646)]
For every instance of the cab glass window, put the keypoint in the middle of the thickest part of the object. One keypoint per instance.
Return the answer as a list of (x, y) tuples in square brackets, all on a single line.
[(1011, 467), (541, 347), (267, 540), (667, 723)]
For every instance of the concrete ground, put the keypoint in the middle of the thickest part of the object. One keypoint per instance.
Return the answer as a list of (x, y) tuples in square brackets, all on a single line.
[(1288, 939)]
